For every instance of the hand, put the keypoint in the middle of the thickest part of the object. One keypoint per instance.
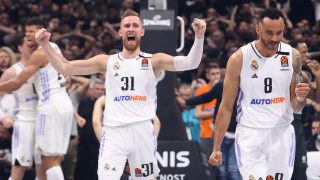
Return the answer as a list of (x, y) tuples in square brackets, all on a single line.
[(216, 158), (80, 121), (7, 122), (199, 27), (42, 36), (302, 91), (314, 66)]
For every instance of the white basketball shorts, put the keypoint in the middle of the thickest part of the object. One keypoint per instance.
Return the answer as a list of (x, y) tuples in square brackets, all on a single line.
[(136, 143), (23, 143), (265, 152), (53, 128)]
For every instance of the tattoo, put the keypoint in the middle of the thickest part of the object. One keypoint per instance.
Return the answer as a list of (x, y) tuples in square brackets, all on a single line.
[(297, 66)]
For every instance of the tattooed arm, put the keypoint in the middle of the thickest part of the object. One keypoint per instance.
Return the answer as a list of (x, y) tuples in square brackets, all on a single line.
[(298, 90)]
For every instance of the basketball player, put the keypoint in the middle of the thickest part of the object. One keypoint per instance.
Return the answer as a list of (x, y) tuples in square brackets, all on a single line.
[(266, 71), (130, 101), (55, 111), (23, 139)]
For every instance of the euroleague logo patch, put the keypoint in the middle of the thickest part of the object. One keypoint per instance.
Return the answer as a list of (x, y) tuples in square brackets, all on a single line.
[(138, 172), (284, 61), (144, 62)]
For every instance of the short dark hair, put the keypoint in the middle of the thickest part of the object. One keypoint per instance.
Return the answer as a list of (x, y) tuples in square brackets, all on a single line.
[(211, 65), (36, 22), (20, 39), (271, 13), (294, 43)]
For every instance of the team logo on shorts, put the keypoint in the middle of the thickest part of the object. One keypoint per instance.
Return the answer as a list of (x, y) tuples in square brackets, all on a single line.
[(269, 177), (116, 66), (106, 167), (251, 177), (254, 65), (138, 172), (284, 61)]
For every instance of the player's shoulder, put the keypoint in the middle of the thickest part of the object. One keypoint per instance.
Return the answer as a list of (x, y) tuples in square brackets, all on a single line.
[(236, 57)]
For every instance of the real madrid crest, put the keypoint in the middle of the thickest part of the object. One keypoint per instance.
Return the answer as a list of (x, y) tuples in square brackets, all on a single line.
[(254, 65), (116, 65)]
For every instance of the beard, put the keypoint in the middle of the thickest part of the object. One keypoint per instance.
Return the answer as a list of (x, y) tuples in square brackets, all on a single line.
[(270, 45), (131, 46)]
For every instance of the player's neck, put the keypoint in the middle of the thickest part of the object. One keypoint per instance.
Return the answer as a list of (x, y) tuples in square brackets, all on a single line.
[(263, 50), (130, 54)]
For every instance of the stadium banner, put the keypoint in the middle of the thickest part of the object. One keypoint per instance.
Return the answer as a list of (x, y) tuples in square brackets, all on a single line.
[(178, 160), (158, 19)]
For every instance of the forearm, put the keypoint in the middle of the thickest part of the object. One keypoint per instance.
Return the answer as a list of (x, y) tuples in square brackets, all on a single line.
[(55, 59), (9, 86), (193, 59), (98, 131), (203, 115), (97, 125), (198, 100), (297, 105), (97, 118), (221, 125)]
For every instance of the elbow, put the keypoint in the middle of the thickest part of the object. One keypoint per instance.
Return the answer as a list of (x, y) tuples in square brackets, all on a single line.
[(95, 122)]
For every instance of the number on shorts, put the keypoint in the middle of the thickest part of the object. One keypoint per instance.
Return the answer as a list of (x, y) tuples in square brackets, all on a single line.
[(278, 176), (268, 85), (148, 169), (128, 83)]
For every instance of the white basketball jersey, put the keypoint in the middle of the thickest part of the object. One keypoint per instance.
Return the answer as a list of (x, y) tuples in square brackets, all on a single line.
[(264, 97), (130, 90), (48, 82), (26, 97)]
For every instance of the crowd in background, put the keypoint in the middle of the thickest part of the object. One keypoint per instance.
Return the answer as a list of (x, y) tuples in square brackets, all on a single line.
[(85, 28)]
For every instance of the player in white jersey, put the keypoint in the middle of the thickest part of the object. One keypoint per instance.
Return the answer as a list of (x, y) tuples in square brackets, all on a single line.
[(25, 100), (265, 73), (130, 95), (55, 111)]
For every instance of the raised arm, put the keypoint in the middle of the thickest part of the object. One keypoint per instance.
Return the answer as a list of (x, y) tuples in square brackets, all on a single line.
[(230, 92), (166, 62), (298, 90), (96, 64)]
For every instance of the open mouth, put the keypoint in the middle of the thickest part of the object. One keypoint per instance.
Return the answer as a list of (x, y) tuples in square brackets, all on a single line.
[(131, 38)]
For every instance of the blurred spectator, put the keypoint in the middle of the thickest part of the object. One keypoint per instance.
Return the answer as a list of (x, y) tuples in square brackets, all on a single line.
[(192, 124), (313, 144), (5, 152), (315, 126), (7, 58)]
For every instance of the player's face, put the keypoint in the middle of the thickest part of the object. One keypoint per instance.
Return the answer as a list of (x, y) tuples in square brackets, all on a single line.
[(131, 32), (30, 32), (303, 50), (270, 32), (24, 48)]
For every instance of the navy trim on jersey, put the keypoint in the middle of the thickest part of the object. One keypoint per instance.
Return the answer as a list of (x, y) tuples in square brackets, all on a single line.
[(254, 50), (141, 55), (279, 51)]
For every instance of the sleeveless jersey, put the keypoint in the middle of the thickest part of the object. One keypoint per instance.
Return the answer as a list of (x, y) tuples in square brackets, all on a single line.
[(49, 83), (264, 96), (130, 90), (26, 98)]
